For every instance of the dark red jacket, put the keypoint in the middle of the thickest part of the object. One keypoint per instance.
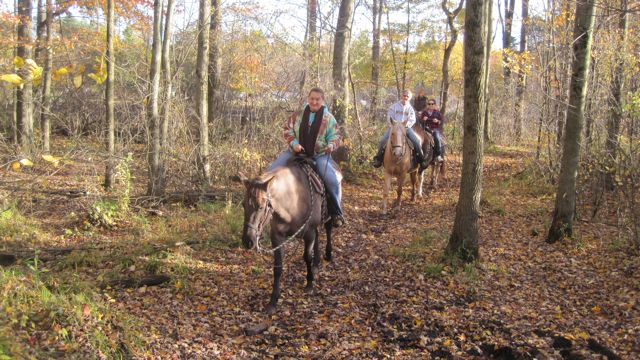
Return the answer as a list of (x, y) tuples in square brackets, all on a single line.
[(427, 119)]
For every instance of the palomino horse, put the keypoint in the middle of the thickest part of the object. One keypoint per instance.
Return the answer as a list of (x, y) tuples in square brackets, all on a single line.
[(398, 160), (438, 168), (292, 198)]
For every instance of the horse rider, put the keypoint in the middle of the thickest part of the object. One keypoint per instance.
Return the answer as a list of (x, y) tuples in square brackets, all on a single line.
[(314, 132), (432, 119), (399, 112)]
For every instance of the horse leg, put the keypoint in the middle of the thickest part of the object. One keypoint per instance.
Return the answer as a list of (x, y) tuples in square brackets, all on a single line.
[(414, 183), (277, 274), (328, 226), (309, 245), (385, 193), (399, 190), (420, 183), (436, 172)]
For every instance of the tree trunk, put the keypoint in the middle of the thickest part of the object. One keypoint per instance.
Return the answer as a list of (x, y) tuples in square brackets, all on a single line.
[(509, 6), (213, 90), (340, 63), (464, 240), (46, 82), (375, 53), (406, 47), (25, 94), (615, 101), (451, 18), (522, 75), (168, 90), (564, 212), (486, 128), (109, 98), (393, 55), (156, 182), (202, 61), (309, 49)]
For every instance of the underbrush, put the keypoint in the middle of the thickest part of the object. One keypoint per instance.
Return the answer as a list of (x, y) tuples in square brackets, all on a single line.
[(46, 314), (424, 253)]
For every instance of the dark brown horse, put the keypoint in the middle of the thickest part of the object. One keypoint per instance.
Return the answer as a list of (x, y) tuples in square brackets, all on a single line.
[(438, 168), (288, 199)]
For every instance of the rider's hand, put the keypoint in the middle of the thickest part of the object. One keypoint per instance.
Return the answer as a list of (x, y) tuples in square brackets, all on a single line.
[(436, 121), (297, 148), (329, 149)]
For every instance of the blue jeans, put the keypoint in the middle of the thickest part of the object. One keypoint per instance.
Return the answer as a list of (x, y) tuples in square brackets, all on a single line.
[(328, 171), (410, 134), (437, 141)]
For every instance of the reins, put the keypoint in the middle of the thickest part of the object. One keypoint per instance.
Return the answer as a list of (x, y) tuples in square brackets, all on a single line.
[(269, 210)]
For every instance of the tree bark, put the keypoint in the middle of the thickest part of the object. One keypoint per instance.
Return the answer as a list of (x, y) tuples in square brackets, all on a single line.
[(509, 6), (25, 94), (213, 90), (563, 215), (615, 101), (522, 74), (46, 82), (463, 243), (486, 128), (309, 48), (451, 18), (340, 61), (109, 97), (168, 88), (156, 182), (375, 53), (202, 61), (406, 47)]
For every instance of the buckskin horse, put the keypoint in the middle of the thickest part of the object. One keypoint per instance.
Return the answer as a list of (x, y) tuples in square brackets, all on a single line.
[(398, 160), (291, 198)]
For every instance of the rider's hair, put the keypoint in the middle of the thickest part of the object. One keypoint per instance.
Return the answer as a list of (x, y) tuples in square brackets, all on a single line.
[(317, 90)]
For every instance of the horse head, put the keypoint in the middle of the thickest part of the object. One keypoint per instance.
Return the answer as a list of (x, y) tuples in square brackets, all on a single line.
[(257, 208), (397, 138)]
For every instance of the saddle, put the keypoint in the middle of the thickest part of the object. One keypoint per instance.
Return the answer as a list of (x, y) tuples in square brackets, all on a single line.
[(308, 166)]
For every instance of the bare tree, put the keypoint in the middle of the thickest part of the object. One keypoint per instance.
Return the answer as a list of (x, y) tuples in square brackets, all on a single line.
[(615, 102), (24, 107), (486, 128), (564, 212), (340, 61), (464, 240), (109, 97), (509, 6), (45, 122), (202, 61), (213, 90), (309, 47), (375, 51), (451, 23), (522, 74), (168, 88), (156, 181)]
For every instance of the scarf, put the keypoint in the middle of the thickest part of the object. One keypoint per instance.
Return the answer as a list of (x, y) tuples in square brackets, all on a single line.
[(309, 134)]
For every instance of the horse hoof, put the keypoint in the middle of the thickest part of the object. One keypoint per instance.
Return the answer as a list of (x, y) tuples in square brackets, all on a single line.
[(308, 289), (328, 257), (270, 310)]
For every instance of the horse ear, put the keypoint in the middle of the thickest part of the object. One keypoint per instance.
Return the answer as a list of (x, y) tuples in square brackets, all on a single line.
[(243, 179)]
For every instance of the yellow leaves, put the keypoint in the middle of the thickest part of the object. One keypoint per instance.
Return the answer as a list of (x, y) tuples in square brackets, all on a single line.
[(100, 74), (15, 166), (77, 81), (52, 159), (447, 342), (59, 73), (13, 79), (18, 62), (596, 309)]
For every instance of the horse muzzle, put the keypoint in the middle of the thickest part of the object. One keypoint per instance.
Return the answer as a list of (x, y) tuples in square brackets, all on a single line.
[(249, 238)]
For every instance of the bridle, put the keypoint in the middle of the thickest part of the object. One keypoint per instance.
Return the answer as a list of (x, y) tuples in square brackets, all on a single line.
[(268, 211), (403, 146)]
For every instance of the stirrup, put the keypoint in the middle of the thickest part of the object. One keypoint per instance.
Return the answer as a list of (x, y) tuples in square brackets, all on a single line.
[(337, 221)]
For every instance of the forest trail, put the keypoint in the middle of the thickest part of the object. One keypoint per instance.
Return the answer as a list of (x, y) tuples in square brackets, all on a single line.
[(387, 294)]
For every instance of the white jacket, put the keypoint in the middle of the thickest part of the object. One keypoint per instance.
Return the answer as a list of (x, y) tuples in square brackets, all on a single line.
[(399, 113)]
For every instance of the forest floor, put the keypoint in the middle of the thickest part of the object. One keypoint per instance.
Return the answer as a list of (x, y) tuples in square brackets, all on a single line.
[(388, 293)]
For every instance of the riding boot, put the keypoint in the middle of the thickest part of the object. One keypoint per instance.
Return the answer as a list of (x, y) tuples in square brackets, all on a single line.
[(335, 212), (379, 158)]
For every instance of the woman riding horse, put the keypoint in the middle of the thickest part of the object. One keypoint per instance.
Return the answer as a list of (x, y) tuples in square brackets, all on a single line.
[(314, 132)]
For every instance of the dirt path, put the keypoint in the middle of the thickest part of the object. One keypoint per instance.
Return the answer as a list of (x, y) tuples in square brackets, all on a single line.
[(387, 295)]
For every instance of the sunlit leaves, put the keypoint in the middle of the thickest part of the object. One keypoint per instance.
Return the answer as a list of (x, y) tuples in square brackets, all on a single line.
[(100, 74), (13, 79)]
